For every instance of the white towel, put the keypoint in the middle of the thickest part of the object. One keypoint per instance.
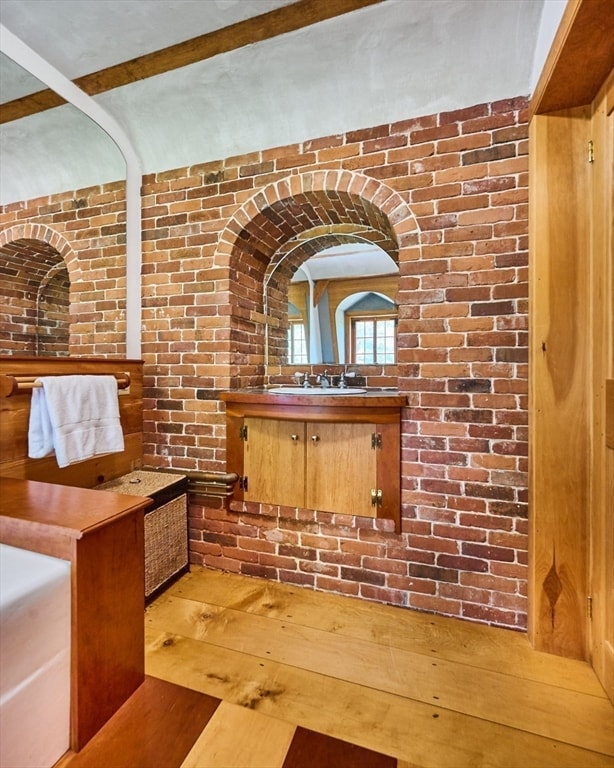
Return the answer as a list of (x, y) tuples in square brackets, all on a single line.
[(75, 416)]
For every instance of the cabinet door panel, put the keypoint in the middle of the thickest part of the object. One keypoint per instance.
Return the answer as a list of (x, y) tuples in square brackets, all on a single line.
[(341, 468), (274, 462)]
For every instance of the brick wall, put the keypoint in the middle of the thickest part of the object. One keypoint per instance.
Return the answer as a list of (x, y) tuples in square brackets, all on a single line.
[(53, 316), (448, 193)]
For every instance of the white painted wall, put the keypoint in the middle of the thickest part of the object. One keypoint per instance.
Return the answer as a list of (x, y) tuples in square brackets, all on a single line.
[(388, 62)]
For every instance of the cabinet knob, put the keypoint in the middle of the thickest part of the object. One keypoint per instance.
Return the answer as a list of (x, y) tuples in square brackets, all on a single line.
[(315, 438), (294, 438)]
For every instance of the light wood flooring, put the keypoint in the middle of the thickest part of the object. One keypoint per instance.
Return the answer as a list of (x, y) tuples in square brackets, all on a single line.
[(244, 673), (426, 690)]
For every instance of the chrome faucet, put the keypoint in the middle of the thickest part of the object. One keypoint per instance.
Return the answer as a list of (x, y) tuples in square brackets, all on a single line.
[(323, 380), (305, 383)]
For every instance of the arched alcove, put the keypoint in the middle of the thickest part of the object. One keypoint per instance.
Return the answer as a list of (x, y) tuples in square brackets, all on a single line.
[(35, 291), (282, 226)]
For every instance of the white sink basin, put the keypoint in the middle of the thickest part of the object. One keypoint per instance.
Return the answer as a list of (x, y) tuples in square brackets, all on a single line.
[(317, 391)]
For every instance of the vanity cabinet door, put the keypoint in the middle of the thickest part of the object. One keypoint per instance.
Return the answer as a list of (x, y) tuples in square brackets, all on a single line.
[(341, 468), (274, 461)]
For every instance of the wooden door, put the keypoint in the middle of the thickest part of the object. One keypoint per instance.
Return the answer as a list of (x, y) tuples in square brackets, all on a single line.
[(602, 486), (571, 579), (602, 545), (341, 468), (572, 353), (274, 461)]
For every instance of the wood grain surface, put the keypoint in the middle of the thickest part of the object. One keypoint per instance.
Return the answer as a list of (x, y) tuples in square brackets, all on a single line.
[(427, 690)]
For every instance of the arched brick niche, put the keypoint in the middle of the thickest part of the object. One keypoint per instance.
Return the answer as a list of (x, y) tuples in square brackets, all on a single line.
[(35, 287), (284, 224)]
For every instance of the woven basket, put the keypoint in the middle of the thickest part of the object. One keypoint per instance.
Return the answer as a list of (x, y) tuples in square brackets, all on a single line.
[(166, 545)]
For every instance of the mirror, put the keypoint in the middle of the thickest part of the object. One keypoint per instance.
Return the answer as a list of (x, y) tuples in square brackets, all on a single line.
[(34, 281), (341, 308)]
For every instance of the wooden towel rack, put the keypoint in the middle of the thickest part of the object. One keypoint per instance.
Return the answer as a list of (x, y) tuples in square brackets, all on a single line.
[(14, 385)]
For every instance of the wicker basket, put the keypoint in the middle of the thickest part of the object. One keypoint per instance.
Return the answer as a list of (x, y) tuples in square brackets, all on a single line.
[(166, 543), (166, 523)]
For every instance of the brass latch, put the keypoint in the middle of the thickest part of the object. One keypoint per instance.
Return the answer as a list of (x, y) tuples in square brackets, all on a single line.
[(376, 497), (376, 440)]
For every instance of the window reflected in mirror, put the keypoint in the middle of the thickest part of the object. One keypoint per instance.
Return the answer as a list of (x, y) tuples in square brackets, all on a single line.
[(372, 340), (341, 307), (297, 338)]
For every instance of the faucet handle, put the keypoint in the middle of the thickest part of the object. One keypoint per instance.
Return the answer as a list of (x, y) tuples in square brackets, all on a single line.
[(305, 379)]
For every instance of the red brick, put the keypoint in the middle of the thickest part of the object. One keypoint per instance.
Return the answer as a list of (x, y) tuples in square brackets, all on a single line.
[(463, 308), (381, 595), (434, 604)]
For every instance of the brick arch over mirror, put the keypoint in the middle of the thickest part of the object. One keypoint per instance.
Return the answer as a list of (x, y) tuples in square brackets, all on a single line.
[(296, 217), (47, 236), (35, 286)]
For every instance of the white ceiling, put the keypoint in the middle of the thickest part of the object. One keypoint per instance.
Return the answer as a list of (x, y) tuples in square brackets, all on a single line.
[(386, 62), (348, 260)]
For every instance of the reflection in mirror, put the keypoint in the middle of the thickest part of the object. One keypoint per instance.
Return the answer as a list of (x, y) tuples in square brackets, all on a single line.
[(16, 81), (342, 307), (34, 283), (34, 286), (61, 144)]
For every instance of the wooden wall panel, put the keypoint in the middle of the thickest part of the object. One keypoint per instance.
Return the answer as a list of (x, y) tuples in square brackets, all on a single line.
[(15, 415), (559, 392)]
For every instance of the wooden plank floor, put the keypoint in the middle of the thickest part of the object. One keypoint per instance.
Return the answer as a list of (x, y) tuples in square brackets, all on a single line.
[(163, 725), (424, 690)]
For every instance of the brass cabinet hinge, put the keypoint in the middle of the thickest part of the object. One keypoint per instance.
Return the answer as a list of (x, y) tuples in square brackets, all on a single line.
[(589, 607), (591, 151), (243, 433), (376, 497), (243, 483), (376, 440)]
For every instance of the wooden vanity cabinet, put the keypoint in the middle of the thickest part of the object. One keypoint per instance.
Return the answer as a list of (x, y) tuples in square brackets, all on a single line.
[(341, 456)]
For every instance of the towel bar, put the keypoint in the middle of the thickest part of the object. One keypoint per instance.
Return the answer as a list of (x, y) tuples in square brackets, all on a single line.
[(13, 385)]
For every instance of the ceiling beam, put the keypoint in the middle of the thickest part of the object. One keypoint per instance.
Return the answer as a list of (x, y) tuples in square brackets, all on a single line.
[(256, 29)]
